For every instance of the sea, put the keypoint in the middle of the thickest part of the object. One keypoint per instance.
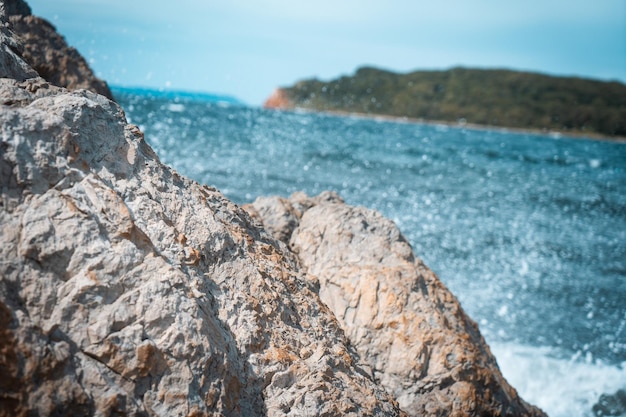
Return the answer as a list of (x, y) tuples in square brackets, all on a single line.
[(528, 230)]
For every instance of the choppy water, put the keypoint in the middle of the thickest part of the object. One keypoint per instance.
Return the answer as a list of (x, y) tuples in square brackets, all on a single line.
[(528, 231)]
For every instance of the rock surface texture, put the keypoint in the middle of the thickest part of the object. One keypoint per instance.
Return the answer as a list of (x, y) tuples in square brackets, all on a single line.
[(47, 52), (411, 331), (127, 289)]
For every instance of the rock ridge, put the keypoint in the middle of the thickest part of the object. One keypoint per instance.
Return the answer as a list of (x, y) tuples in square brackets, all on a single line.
[(407, 326)]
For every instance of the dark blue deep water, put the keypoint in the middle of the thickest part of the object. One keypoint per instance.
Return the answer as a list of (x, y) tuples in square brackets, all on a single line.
[(529, 231)]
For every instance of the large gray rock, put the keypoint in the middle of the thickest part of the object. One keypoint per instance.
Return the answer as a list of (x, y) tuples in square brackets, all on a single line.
[(127, 289), (412, 332)]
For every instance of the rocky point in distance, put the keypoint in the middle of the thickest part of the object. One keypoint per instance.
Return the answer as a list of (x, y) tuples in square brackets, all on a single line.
[(128, 289), (496, 98)]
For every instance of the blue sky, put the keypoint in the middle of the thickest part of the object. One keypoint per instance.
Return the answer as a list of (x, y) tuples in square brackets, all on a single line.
[(246, 48)]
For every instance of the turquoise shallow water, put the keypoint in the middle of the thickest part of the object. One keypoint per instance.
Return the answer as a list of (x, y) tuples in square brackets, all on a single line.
[(528, 231)]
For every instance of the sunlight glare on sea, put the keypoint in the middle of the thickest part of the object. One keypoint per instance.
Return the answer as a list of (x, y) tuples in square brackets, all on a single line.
[(528, 231)]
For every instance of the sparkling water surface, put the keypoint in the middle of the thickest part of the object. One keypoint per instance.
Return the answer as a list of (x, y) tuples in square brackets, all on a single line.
[(528, 231)]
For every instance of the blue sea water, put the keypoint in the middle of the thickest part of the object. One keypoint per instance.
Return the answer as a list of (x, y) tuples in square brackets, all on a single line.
[(527, 230)]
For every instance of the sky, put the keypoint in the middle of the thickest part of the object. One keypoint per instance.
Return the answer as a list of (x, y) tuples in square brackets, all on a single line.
[(247, 48)]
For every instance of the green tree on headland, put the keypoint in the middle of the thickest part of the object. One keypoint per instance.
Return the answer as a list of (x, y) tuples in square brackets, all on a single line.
[(487, 97)]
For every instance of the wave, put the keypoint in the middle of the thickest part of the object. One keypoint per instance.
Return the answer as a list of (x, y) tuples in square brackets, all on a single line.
[(561, 386)]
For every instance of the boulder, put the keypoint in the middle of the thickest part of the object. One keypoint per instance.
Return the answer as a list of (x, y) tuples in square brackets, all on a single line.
[(611, 404), (404, 323), (128, 289)]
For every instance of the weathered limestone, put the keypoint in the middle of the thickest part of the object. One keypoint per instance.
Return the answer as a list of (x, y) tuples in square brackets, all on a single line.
[(403, 322), (128, 289)]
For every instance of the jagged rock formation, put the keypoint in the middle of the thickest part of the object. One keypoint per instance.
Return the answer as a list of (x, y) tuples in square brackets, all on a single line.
[(402, 320), (127, 289), (47, 52)]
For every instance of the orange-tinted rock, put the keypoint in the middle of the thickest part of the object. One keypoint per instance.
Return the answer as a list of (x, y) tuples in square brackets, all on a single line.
[(403, 322), (278, 100)]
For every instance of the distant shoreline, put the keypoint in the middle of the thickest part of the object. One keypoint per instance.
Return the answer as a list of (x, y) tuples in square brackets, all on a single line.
[(532, 102), (203, 96), (459, 125)]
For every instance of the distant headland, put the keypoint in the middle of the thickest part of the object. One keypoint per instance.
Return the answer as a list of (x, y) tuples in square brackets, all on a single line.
[(488, 97)]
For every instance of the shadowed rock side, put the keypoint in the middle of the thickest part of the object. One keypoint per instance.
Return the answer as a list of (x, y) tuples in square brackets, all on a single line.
[(412, 332), (15, 7), (611, 404), (12, 64), (48, 53), (129, 290)]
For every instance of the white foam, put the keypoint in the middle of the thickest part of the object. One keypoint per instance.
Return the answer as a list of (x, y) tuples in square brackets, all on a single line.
[(561, 387)]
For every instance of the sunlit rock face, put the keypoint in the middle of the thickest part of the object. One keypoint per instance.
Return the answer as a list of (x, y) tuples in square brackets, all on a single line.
[(404, 323)]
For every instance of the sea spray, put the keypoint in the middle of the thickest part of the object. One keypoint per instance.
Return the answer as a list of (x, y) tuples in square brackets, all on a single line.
[(559, 385), (529, 231)]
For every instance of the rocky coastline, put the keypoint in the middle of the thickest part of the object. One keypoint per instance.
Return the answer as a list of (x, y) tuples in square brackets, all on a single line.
[(278, 100), (128, 289)]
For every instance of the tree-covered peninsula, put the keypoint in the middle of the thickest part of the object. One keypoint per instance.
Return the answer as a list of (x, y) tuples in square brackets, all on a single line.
[(491, 97)]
